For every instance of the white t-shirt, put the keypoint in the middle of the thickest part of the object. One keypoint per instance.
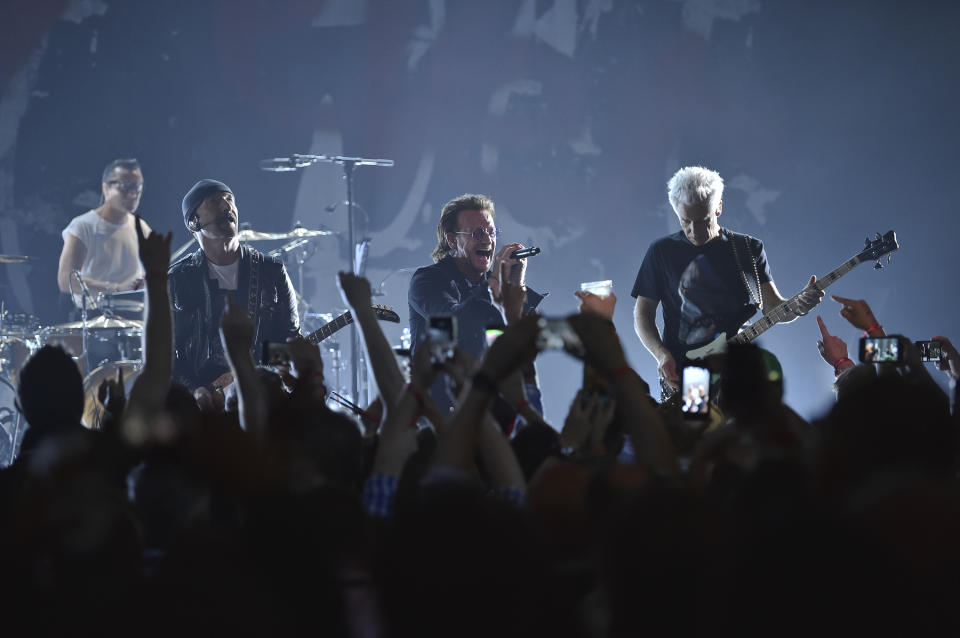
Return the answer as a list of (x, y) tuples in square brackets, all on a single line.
[(112, 253), (225, 276)]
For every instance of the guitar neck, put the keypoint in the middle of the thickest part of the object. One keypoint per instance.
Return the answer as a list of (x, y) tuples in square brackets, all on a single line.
[(788, 308), (326, 330)]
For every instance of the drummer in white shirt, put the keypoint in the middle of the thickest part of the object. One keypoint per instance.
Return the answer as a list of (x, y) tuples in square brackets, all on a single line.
[(102, 243)]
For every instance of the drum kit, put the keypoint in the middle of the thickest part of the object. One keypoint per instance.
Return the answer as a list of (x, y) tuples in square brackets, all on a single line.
[(108, 337), (110, 341)]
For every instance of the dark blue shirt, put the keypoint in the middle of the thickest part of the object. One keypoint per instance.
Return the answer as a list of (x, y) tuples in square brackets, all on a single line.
[(701, 288)]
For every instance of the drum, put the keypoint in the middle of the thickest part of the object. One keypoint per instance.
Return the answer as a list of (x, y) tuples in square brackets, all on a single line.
[(92, 408), (12, 425), (14, 352), (103, 343)]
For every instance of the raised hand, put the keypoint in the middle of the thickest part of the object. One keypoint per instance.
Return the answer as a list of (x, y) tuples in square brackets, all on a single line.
[(516, 346), (832, 348), (112, 395), (236, 329), (305, 358), (154, 249), (354, 290), (950, 362), (595, 304), (857, 312), (423, 372), (602, 348)]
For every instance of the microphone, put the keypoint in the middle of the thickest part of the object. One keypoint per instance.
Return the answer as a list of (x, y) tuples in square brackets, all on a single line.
[(523, 253)]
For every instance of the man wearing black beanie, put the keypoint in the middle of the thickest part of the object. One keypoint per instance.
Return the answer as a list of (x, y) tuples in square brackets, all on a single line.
[(200, 282)]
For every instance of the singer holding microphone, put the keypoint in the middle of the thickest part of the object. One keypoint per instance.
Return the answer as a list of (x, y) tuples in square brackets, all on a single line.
[(100, 251), (464, 280)]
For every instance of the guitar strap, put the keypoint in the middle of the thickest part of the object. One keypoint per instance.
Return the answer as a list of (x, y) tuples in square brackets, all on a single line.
[(753, 293), (253, 290)]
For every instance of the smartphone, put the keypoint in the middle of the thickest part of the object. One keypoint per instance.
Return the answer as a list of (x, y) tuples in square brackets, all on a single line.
[(930, 350), (442, 330), (880, 350), (556, 334), (275, 353), (695, 393), (491, 333)]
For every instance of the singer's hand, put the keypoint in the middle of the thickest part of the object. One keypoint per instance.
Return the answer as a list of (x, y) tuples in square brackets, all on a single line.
[(516, 268)]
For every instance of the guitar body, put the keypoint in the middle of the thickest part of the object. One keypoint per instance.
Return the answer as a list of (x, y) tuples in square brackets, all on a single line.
[(717, 346)]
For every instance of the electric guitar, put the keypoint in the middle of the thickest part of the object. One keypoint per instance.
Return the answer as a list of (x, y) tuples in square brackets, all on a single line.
[(325, 332), (874, 250)]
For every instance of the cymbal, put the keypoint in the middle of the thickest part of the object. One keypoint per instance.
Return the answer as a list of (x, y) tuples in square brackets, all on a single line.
[(249, 234), (103, 321), (15, 259)]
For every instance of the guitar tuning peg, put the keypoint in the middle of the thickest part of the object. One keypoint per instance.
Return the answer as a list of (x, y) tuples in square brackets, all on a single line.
[(878, 236), (878, 265)]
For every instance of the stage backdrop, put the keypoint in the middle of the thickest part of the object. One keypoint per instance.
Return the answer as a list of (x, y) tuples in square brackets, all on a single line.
[(830, 121)]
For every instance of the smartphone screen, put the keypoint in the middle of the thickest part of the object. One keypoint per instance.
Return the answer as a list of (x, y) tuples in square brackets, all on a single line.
[(695, 388), (880, 350), (442, 330), (930, 350), (275, 354), (556, 334), (491, 333)]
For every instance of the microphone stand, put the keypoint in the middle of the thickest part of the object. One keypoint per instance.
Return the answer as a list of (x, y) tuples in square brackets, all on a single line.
[(296, 161)]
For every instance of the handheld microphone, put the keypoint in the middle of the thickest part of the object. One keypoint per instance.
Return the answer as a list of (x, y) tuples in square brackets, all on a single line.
[(523, 253)]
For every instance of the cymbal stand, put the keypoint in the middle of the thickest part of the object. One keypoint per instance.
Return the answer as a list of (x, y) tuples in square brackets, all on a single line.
[(296, 161), (84, 330)]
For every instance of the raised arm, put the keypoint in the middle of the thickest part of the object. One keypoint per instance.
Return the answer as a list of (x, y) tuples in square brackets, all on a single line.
[(236, 334), (456, 445), (356, 293), (641, 421), (149, 390)]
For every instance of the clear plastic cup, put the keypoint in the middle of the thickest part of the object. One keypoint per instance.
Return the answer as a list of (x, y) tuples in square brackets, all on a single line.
[(598, 288)]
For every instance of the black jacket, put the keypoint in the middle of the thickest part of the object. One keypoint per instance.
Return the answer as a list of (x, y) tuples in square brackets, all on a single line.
[(441, 289), (198, 304)]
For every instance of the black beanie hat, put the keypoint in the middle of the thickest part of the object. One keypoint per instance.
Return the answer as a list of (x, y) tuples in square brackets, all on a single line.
[(200, 191)]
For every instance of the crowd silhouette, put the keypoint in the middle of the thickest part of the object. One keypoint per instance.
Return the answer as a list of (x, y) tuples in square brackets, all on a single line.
[(280, 516)]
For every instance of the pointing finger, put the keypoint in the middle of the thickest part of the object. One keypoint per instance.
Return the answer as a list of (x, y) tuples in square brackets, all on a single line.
[(823, 327)]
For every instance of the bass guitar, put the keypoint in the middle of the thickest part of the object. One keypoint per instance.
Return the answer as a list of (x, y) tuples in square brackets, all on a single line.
[(874, 251)]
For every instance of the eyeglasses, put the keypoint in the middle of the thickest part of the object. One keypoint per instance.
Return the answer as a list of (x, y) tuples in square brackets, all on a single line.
[(127, 187), (479, 234)]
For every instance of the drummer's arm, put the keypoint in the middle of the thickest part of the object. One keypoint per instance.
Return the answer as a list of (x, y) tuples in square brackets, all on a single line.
[(71, 258)]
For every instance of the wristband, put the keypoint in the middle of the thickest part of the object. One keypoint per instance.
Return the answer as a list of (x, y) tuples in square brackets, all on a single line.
[(876, 326), (483, 381), (836, 366)]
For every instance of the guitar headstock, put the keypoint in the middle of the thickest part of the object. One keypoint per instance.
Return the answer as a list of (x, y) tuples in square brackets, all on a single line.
[(386, 314), (876, 248)]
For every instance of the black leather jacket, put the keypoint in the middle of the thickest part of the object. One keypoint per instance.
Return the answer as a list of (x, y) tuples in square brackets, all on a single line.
[(198, 303)]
